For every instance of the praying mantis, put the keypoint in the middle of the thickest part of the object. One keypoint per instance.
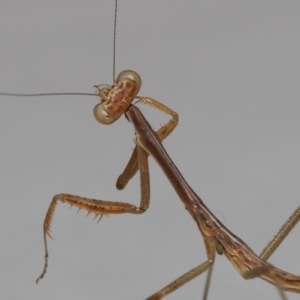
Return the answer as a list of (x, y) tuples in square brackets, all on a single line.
[(221, 200)]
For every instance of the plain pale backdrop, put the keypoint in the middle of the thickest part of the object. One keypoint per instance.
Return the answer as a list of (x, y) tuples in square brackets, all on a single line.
[(230, 69)]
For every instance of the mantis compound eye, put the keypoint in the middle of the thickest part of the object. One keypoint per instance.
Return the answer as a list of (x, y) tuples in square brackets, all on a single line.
[(102, 116), (131, 76)]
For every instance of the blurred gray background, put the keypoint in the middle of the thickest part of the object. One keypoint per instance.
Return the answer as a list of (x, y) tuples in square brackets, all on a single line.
[(229, 68)]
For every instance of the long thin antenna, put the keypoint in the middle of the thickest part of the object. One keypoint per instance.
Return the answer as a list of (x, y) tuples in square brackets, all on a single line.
[(48, 94), (78, 94), (114, 47)]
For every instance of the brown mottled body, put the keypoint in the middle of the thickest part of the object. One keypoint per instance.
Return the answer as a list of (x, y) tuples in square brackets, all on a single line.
[(216, 236), (116, 100)]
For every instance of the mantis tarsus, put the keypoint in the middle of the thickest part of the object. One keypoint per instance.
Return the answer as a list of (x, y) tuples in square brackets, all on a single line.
[(198, 189)]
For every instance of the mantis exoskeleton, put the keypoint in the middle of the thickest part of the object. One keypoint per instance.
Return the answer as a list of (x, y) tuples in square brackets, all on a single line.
[(187, 139)]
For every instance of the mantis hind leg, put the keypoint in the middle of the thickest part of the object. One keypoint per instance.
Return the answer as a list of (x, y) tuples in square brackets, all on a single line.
[(191, 274), (270, 248), (282, 233)]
